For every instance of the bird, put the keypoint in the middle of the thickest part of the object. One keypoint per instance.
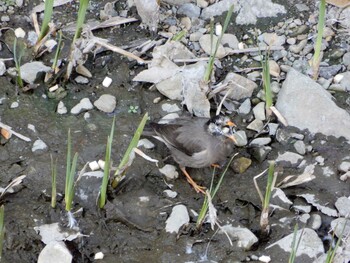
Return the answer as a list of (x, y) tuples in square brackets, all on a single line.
[(197, 142)]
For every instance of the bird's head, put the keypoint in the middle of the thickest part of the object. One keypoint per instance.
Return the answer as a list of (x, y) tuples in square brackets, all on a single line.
[(222, 126)]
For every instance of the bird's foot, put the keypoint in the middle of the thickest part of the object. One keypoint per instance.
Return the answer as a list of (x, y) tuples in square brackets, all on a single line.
[(197, 188), (216, 165)]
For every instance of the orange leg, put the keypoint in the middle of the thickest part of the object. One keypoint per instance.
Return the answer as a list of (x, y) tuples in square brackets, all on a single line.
[(193, 183)]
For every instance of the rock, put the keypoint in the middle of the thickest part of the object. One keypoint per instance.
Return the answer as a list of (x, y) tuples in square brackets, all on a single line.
[(260, 153), (243, 236), (259, 111), (272, 39), (256, 125), (14, 105), (167, 107), (341, 227), (343, 206), (88, 188), (61, 108), (196, 36), (310, 244), (245, 107), (107, 81), (178, 217), (346, 59), (170, 194), (260, 141), (81, 80), (30, 70), (189, 10), (39, 146), (206, 44), (330, 71), (315, 221), (241, 138), (344, 166), (241, 164), (55, 250), (2, 68), (272, 128), (290, 157), (169, 171), (149, 13), (84, 105), (147, 144), (240, 87), (320, 160), (299, 47), (306, 105), (106, 103), (299, 146), (230, 40), (345, 81), (274, 68)]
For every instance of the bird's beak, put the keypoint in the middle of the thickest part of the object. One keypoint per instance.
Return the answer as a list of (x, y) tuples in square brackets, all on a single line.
[(231, 124), (231, 137)]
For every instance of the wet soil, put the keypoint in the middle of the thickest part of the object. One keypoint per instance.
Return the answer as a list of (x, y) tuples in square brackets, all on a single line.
[(128, 229)]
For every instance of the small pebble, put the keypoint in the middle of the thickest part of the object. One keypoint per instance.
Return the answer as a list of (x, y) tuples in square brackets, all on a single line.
[(107, 82), (14, 105)]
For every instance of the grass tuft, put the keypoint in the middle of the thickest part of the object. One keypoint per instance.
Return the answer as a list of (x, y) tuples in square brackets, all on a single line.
[(119, 173), (47, 18), (107, 167), (53, 182)]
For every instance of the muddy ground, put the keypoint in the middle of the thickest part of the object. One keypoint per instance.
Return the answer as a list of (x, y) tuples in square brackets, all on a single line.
[(129, 230)]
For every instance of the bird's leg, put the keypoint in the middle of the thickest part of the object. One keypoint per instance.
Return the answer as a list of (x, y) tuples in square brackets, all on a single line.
[(193, 183), (216, 165)]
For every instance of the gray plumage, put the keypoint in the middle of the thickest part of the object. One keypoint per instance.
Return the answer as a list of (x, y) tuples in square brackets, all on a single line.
[(196, 142)]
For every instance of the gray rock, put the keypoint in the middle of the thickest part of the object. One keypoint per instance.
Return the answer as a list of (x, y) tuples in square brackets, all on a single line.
[(302, 7), (39, 146), (290, 157), (343, 206), (260, 153), (230, 40), (88, 188), (299, 146), (306, 105), (2, 68), (260, 141), (259, 111), (245, 107), (178, 217), (345, 82), (256, 125), (344, 166), (299, 47), (61, 108), (241, 138), (310, 244), (329, 72), (81, 80), (84, 105), (272, 128), (315, 221), (240, 87), (106, 103), (14, 105), (346, 59), (245, 237), (206, 43), (30, 70), (189, 10)]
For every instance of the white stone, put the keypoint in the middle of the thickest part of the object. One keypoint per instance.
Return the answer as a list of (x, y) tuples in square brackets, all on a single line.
[(20, 33), (55, 251), (169, 171), (256, 125), (14, 105), (167, 107), (178, 217), (2, 67), (94, 166), (145, 143), (291, 157), (206, 44), (61, 108), (170, 193), (343, 206), (30, 70), (245, 107), (39, 145), (107, 82), (99, 255), (260, 141), (245, 238), (344, 166), (84, 105)]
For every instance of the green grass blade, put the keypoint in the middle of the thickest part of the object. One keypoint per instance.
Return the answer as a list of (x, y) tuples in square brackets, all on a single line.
[(293, 251), (47, 18), (210, 65), (2, 228), (132, 145), (103, 192), (58, 51), (17, 56), (270, 185), (68, 163), (70, 187), (83, 5), (320, 29)]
